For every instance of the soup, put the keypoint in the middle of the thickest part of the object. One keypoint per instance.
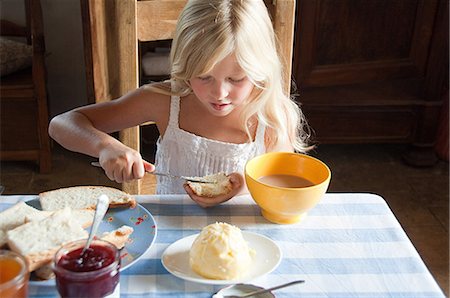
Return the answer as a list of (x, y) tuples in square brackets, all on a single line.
[(289, 181)]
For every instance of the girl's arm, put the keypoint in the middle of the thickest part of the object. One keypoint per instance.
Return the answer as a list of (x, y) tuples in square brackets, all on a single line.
[(86, 130)]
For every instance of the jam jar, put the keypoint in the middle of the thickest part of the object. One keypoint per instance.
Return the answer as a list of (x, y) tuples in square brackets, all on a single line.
[(94, 273)]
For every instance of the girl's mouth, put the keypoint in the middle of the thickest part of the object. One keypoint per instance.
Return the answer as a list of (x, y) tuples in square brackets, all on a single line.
[(220, 107)]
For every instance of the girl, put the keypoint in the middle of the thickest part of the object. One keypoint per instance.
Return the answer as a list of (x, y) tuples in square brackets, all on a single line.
[(223, 105)]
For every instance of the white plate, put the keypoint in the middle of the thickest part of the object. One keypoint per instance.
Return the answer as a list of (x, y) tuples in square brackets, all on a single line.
[(267, 257)]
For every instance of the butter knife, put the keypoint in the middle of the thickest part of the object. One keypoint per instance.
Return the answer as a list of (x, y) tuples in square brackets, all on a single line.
[(191, 179)]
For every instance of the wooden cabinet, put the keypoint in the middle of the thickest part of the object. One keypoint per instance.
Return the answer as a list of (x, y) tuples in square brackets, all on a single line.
[(373, 70), (23, 97)]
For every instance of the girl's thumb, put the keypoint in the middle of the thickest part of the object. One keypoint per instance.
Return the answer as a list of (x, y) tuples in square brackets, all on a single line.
[(148, 166)]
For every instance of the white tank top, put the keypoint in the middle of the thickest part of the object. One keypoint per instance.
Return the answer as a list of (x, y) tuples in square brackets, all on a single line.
[(182, 153)]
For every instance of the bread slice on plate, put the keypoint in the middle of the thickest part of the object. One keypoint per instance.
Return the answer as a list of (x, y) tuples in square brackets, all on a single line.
[(118, 237), (223, 185), (17, 215), (84, 197), (38, 241)]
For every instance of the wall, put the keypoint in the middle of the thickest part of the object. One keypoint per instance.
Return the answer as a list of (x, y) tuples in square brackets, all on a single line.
[(66, 80)]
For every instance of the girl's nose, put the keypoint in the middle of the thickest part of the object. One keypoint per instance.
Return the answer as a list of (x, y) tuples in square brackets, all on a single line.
[(220, 90)]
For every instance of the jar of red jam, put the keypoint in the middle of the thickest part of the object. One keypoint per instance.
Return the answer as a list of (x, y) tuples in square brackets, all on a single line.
[(95, 273)]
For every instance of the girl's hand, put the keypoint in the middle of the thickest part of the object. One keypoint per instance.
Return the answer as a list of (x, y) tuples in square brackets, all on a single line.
[(123, 164), (237, 182)]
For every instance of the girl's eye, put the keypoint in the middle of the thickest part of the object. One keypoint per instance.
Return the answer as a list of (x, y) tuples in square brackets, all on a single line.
[(204, 79), (236, 80)]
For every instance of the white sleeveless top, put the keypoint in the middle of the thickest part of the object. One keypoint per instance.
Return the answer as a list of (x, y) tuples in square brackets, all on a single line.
[(182, 153)]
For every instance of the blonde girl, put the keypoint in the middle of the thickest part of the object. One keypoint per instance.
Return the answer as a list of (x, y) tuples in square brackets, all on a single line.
[(223, 105)]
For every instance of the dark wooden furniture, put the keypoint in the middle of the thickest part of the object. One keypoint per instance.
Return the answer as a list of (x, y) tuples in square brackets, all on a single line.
[(373, 71), (23, 98)]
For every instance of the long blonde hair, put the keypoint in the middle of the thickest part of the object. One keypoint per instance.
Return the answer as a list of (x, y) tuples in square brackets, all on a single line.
[(208, 31)]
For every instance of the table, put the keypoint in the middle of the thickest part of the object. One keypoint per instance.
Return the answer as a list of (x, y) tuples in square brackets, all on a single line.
[(349, 245)]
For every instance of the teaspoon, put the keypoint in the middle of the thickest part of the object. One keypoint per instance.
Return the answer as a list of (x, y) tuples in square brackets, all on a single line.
[(100, 211)]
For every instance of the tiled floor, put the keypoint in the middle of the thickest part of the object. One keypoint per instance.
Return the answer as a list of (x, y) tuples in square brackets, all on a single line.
[(419, 197)]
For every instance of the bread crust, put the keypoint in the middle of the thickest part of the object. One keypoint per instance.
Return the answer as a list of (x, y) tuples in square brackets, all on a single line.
[(84, 197)]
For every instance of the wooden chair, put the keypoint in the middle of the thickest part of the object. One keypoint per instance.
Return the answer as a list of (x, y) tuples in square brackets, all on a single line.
[(23, 96), (113, 30)]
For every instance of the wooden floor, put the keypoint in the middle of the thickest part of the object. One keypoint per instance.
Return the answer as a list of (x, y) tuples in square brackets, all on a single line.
[(419, 197)]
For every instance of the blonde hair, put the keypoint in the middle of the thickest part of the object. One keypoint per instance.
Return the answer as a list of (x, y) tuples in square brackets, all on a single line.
[(210, 30)]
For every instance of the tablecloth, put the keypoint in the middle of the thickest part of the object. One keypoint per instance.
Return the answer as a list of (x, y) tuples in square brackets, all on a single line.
[(349, 245)]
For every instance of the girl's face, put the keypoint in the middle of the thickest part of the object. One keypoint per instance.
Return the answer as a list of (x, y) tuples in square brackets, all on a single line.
[(224, 88)]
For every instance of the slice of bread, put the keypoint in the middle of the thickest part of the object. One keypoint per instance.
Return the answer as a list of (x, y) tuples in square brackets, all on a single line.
[(38, 241), (84, 217), (3, 238), (84, 197), (223, 185), (118, 237), (45, 271), (17, 215)]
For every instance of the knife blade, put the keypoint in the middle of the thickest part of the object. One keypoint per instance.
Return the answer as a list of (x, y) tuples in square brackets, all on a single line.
[(187, 178)]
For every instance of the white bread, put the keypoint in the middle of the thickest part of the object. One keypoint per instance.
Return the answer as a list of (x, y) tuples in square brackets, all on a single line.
[(118, 237), (84, 197), (85, 217), (17, 215), (3, 238), (45, 271), (38, 241), (223, 185)]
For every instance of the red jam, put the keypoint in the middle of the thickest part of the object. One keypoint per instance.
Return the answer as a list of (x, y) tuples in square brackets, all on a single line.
[(93, 274), (94, 258)]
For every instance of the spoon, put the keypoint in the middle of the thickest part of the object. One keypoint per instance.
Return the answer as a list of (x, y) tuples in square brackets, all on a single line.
[(253, 293), (100, 210)]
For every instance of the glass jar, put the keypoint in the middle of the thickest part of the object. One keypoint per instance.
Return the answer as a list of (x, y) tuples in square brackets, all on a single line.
[(13, 275), (93, 274)]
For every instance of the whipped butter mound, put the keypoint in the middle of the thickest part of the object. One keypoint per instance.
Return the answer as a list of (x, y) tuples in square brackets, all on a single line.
[(220, 252)]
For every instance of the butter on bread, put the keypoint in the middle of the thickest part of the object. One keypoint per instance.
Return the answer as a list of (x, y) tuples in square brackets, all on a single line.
[(39, 240), (221, 187), (84, 197)]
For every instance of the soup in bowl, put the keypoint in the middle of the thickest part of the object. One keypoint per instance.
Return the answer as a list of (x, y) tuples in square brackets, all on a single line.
[(285, 185)]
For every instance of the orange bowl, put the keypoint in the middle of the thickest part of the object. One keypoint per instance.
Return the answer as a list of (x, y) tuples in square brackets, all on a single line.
[(280, 202)]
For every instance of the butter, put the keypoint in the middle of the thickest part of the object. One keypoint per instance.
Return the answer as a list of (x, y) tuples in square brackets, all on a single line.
[(220, 252)]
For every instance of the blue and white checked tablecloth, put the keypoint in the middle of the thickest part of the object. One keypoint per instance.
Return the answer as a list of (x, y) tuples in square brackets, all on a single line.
[(349, 245)]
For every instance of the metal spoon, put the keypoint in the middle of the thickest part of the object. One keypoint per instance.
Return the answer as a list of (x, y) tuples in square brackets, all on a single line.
[(253, 293), (100, 211)]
